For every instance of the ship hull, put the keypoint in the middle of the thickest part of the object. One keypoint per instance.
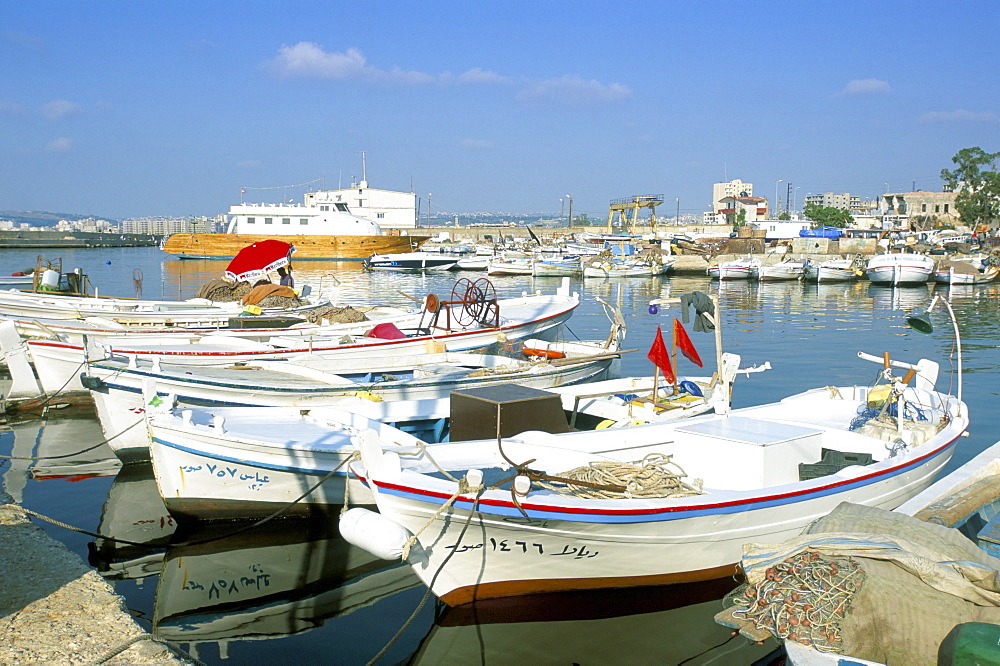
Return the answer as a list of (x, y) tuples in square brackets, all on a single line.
[(343, 248)]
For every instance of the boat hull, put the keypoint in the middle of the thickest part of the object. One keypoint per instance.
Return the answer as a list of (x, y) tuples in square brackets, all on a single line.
[(489, 543), (118, 392), (414, 262), (899, 269), (344, 248), (829, 272)]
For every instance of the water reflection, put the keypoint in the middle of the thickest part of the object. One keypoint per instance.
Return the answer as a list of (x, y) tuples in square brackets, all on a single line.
[(52, 450), (135, 527), (280, 579), (663, 625), (905, 298)]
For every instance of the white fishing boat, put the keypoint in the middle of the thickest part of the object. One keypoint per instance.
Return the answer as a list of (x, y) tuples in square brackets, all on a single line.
[(564, 266), (510, 266), (116, 384), (472, 317), (629, 267), (15, 281), (476, 262), (485, 521), (275, 454), (899, 269), (950, 271), (411, 262), (133, 313), (789, 269), (736, 269), (833, 270)]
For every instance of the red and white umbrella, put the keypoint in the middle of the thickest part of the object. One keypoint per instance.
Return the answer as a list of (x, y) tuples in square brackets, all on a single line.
[(255, 261)]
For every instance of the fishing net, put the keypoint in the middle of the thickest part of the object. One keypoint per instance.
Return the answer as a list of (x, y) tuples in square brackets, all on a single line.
[(899, 587), (335, 315)]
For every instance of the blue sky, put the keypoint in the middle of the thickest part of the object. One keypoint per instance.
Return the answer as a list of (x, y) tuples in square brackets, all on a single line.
[(140, 108)]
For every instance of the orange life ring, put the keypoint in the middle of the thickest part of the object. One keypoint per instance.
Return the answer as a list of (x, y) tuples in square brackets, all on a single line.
[(543, 353)]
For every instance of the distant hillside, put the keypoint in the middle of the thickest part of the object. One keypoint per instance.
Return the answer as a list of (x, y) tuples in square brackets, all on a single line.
[(40, 218)]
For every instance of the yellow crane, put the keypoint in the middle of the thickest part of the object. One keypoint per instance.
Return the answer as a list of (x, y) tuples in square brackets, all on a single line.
[(634, 203)]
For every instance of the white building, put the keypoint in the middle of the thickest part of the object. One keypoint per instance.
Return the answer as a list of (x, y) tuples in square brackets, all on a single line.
[(734, 188), (780, 229), (395, 210)]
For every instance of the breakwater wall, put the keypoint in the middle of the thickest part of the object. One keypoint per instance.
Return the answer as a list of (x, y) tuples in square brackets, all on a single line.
[(13, 238)]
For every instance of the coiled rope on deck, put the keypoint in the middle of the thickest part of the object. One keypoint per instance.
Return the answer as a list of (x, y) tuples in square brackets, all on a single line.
[(656, 475)]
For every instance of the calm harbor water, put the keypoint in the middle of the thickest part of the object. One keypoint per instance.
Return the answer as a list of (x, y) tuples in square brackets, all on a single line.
[(292, 589)]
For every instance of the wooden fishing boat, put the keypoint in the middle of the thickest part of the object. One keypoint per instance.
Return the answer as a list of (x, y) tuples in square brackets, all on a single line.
[(515, 518), (628, 267), (569, 266), (326, 231), (964, 272)]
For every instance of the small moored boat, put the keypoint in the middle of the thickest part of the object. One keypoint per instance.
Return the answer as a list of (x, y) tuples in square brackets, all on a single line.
[(411, 261)]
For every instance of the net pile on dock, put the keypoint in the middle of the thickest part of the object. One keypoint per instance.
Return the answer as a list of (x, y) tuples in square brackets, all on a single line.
[(802, 598)]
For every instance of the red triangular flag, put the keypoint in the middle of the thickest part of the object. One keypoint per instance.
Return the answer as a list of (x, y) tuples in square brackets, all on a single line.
[(683, 342), (659, 355)]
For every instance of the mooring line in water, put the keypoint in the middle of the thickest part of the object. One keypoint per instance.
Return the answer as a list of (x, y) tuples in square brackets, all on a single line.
[(176, 649), (245, 528), (76, 453), (430, 586), (44, 405)]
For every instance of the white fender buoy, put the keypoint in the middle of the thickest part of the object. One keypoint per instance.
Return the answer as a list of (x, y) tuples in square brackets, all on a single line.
[(374, 533)]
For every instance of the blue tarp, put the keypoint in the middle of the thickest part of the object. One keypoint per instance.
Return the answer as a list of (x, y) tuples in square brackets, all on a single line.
[(822, 232)]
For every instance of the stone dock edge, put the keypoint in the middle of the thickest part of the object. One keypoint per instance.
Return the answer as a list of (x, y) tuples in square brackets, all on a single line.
[(55, 609)]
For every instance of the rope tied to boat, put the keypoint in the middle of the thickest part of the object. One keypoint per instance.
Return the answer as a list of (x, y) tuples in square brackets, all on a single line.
[(656, 475), (464, 488)]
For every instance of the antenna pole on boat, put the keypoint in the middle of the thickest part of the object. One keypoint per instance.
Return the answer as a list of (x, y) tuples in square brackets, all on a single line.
[(922, 324)]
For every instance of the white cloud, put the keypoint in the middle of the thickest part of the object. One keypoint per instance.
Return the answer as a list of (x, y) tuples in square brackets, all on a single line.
[(573, 90), (309, 60), (477, 144), (59, 108), (60, 145), (249, 164), (862, 87), (476, 75), (958, 116)]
